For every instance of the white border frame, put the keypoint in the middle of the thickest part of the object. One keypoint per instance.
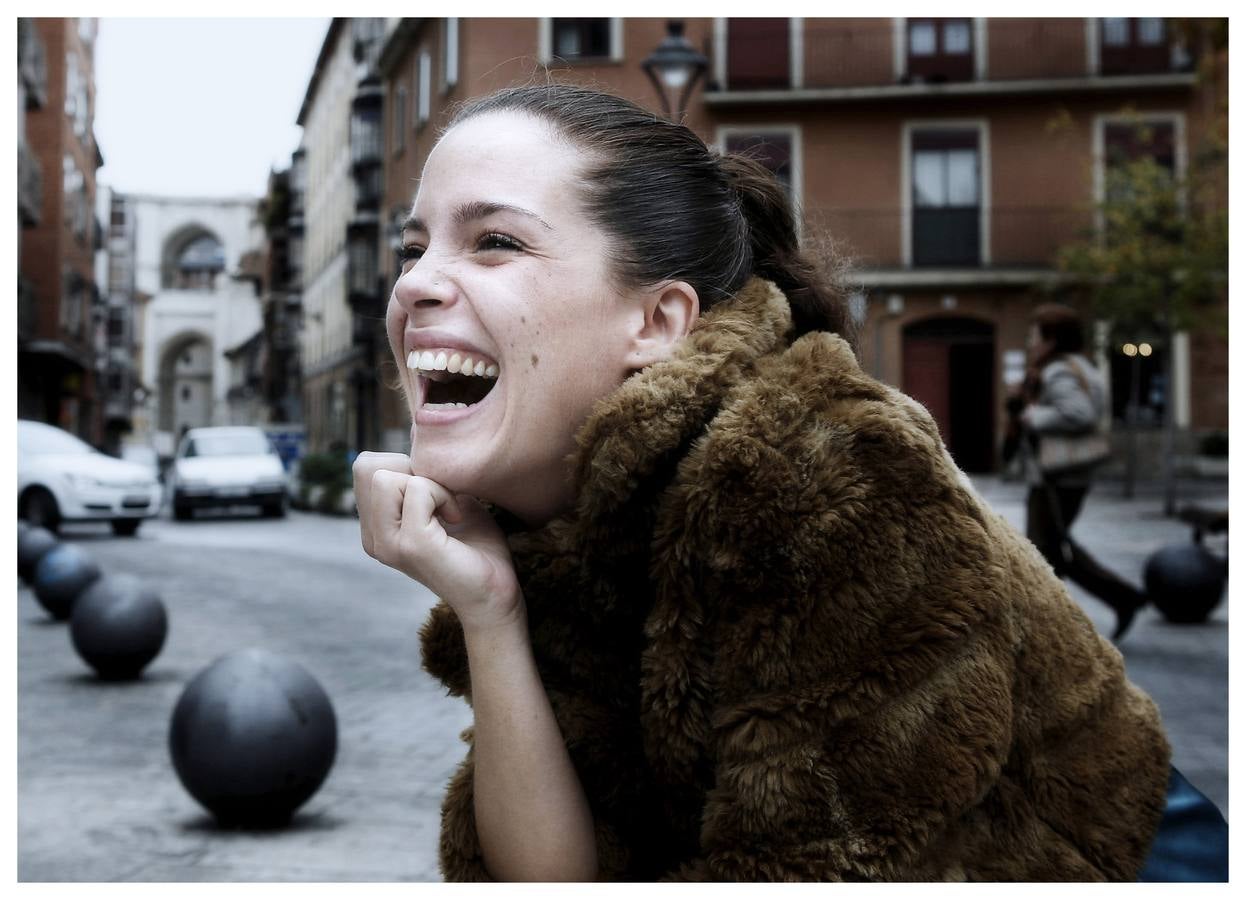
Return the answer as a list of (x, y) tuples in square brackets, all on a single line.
[(907, 127), (795, 53), (545, 41), (794, 133)]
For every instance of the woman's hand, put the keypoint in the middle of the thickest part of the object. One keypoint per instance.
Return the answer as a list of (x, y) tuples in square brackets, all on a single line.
[(448, 543)]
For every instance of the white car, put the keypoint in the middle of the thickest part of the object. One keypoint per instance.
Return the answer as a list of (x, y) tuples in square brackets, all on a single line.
[(227, 466), (61, 478)]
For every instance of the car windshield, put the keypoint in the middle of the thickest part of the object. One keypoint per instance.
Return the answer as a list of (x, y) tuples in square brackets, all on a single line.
[(46, 439), (239, 443)]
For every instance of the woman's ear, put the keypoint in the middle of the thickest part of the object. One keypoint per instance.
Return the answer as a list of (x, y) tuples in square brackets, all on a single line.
[(669, 312)]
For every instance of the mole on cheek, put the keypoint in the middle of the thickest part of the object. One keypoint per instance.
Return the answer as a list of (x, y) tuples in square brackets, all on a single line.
[(535, 360)]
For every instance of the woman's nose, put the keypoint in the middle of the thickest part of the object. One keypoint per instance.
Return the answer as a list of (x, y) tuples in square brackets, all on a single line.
[(424, 286)]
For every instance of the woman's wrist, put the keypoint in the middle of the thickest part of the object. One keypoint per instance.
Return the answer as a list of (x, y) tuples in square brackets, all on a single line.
[(502, 621)]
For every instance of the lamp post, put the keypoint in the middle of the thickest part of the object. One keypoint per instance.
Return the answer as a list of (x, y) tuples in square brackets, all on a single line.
[(674, 68)]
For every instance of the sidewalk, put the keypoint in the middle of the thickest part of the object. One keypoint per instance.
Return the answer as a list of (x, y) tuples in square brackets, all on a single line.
[(1184, 668)]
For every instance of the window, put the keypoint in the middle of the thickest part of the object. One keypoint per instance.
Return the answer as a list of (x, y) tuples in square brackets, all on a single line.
[(1127, 142), (772, 149), (758, 53), (116, 323), (946, 197), (424, 94), (365, 134), (581, 38), (940, 50), (450, 54), (1132, 46), (399, 137)]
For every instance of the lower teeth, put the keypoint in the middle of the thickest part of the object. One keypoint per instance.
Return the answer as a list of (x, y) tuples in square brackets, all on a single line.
[(445, 405)]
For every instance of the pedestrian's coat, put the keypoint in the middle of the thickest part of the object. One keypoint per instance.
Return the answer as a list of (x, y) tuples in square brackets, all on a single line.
[(785, 640)]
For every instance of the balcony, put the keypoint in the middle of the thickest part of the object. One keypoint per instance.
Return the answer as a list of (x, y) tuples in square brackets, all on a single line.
[(872, 59), (32, 64), (1001, 244), (29, 186), (362, 267)]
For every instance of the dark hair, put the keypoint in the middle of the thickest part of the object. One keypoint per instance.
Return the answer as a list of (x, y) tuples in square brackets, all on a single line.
[(677, 209), (1061, 325)]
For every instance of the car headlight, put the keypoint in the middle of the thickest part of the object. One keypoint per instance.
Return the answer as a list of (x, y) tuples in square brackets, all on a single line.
[(78, 480)]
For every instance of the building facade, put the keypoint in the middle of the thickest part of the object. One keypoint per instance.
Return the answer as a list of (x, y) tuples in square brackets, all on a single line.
[(59, 302), (338, 210), (946, 160), (198, 301)]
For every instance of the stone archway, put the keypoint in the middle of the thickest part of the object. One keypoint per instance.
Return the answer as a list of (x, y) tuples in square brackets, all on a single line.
[(192, 258), (949, 367), (185, 389)]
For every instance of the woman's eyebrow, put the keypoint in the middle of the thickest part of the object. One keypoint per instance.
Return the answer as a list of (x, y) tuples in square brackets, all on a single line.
[(476, 209)]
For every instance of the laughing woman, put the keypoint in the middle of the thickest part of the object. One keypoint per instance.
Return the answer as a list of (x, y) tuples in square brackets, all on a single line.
[(722, 604)]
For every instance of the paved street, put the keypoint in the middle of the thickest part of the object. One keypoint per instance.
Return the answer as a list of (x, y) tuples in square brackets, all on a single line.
[(97, 796)]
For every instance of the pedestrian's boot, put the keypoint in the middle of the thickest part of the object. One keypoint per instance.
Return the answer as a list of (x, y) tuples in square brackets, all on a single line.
[(1126, 608)]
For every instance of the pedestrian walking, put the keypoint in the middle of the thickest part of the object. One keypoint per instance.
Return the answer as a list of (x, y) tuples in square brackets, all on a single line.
[(722, 604), (1060, 408)]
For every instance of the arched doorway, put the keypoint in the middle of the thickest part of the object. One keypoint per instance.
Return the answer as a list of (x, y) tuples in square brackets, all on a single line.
[(949, 367), (193, 257), (186, 397)]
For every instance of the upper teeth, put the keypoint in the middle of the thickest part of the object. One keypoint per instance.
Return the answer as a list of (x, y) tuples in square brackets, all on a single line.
[(450, 361)]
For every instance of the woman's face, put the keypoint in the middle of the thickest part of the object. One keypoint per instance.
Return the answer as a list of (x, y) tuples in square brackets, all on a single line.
[(503, 268)]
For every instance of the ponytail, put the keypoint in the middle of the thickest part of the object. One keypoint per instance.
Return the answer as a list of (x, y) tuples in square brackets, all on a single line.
[(810, 286)]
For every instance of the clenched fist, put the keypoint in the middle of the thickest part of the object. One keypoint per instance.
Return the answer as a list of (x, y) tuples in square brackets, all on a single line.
[(448, 543)]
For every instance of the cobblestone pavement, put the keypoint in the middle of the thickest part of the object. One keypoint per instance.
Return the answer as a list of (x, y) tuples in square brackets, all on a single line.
[(97, 796)]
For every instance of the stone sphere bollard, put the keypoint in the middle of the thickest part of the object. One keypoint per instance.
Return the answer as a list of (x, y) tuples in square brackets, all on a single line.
[(1185, 581), (61, 575), (253, 736), (32, 543), (118, 626)]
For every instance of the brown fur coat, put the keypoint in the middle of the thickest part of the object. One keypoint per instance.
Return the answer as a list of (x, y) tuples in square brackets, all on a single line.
[(785, 640)]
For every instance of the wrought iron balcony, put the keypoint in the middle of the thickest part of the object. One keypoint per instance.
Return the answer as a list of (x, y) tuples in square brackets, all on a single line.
[(999, 237)]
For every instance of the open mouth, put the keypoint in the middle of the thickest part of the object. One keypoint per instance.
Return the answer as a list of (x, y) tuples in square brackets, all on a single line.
[(452, 379)]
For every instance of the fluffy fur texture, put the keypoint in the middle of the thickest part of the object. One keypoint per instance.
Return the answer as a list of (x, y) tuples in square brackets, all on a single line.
[(785, 640)]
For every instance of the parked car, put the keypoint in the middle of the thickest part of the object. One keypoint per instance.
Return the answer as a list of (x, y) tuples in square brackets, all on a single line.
[(61, 478), (227, 466)]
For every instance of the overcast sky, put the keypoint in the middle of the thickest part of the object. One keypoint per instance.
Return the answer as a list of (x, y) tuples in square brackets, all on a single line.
[(200, 107)]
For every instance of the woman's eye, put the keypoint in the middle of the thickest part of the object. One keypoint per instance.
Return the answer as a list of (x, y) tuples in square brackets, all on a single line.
[(495, 241), (408, 254)]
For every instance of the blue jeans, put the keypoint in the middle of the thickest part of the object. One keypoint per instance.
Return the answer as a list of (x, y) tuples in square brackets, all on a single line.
[(1192, 843)]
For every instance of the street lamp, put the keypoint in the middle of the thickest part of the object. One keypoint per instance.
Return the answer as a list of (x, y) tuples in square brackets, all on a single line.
[(674, 68)]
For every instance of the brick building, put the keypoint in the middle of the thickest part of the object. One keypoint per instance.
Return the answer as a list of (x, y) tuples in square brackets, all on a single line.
[(59, 303), (948, 159)]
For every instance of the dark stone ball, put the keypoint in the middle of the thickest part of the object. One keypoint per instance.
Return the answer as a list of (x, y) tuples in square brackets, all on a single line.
[(32, 543), (1185, 581), (253, 736), (118, 626), (61, 575)]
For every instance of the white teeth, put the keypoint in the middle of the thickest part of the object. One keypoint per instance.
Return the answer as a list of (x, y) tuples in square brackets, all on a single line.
[(450, 361), (445, 405)]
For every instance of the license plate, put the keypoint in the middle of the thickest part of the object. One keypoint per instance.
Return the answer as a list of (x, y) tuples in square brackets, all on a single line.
[(135, 501), (233, 492)]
